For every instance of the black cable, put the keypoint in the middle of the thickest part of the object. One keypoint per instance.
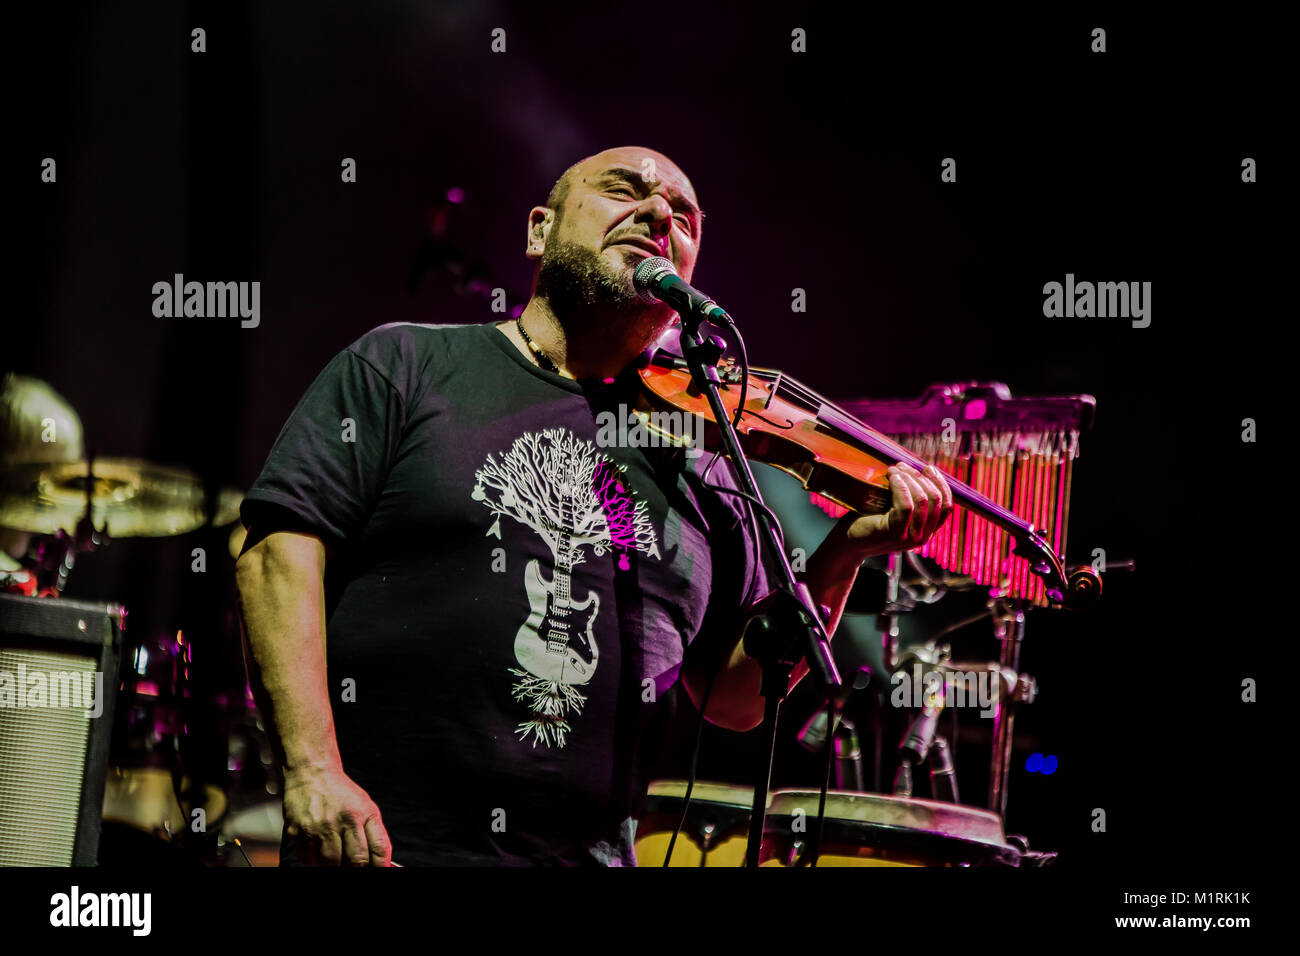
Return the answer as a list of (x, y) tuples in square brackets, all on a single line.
[(753, 503), (695, 754), (754, 507), (826, 781), (708, 689)]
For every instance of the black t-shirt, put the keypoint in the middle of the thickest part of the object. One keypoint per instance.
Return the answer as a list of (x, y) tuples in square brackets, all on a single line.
[(510, 598)]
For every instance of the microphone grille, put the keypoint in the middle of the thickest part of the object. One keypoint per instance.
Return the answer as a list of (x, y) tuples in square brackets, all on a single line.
[(647, 272)]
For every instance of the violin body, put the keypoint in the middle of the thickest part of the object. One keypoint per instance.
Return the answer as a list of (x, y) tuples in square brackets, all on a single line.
[(779, 432)]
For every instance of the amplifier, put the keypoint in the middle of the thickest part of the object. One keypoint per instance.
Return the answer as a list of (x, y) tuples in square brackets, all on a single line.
[(58, 684)]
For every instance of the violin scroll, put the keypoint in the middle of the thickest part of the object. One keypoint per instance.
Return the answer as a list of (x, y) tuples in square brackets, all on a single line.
[(1083, 588)]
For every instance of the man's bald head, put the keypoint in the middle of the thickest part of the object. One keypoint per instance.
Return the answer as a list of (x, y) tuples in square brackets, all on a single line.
[(560, 191), (647, 161)]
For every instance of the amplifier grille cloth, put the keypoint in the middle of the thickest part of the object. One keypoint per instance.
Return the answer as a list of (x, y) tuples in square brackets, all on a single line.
[(42, 758)]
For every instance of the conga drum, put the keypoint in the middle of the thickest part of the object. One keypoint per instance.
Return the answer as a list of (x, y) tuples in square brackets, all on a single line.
[(870, 829), (717, 824)]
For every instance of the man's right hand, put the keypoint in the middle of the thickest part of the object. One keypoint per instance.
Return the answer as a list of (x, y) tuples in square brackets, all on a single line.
[(281, 593), (333, 821)]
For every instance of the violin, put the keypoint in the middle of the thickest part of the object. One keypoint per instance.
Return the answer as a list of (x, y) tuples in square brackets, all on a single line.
[(789, 426)]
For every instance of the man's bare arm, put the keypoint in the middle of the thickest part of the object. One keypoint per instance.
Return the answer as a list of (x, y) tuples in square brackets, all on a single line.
[(734, 702), (282, 596), (282, 593), (921, 503)]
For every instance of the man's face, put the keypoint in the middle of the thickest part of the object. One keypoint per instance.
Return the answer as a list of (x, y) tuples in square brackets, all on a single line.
[(623, 206)]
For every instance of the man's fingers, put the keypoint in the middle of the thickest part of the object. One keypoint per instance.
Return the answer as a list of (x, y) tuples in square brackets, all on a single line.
[(333, 821), (381, 849), (329, 848), (922, 503), (306, 847), (902, 489), (911, 512), (944, 488), (356, 849), (941, 507), (934, 513), (931, 502)]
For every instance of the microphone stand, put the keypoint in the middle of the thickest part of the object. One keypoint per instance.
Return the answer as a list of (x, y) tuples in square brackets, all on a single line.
[(785, 626)]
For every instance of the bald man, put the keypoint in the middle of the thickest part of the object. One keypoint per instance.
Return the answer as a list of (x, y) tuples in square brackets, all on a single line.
[(468, 606)]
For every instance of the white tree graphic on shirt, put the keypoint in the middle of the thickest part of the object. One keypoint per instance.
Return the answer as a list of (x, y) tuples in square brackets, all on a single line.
[(574, 497)]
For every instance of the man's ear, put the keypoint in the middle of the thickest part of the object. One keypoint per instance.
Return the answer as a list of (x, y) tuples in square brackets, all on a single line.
[(540, 220)]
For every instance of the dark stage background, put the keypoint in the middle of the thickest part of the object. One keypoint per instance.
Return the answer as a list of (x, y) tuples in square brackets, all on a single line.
[(818, 170)]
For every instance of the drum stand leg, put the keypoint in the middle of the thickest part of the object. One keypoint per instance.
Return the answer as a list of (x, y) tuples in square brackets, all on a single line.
[(887, 622), (1009, 627)]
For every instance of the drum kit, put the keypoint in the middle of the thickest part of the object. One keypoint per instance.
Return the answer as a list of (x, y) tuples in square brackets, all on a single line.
[(191, 779)]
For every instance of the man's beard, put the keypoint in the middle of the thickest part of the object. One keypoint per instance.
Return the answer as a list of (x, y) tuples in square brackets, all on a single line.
[(573, 278)]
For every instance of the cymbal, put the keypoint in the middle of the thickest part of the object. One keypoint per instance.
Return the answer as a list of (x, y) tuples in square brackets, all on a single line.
[(134, 498)]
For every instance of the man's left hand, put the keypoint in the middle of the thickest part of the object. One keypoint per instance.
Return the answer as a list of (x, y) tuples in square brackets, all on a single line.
[(922, 503)]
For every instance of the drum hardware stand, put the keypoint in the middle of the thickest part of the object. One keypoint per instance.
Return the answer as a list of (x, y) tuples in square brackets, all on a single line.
[(887, 624), (1009, 628), (887, 621), (903, 780), (706, 834), (53, 555), (844, 735), (786, 625), (848, 756), (919, 740), (1028, 857), (917, 744), (943, 776)]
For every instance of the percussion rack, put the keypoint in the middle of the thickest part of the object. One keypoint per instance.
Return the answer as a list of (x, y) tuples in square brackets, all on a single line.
[(1017, 451)]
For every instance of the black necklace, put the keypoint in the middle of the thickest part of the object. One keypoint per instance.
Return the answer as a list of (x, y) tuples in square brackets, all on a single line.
[(533, 347)]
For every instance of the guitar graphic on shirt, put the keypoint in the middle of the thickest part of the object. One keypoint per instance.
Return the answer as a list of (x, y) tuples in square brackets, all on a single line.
[(556, 642)]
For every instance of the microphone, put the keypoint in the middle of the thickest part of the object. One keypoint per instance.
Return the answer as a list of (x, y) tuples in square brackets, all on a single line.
[(812, 735), (848, 756), (920, 733), (656, 280)]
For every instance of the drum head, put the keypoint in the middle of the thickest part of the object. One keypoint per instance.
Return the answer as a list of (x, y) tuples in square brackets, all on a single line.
[(870, 829), (145, 798)]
